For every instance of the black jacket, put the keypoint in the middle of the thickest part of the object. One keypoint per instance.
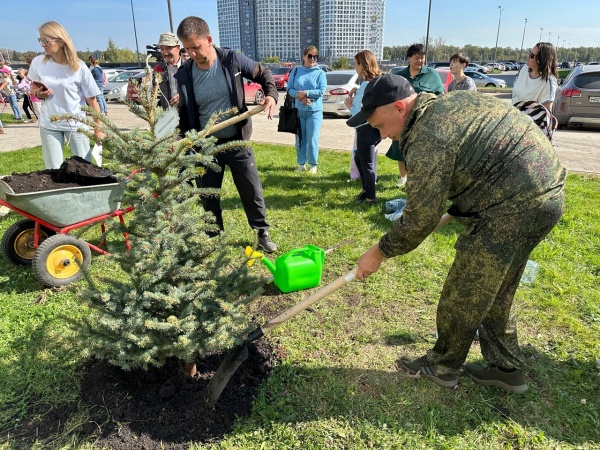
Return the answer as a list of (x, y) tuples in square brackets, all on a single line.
[(236, 67)]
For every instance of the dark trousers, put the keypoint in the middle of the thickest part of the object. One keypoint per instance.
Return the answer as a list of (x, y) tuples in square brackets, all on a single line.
[(27, 106), (242, 164), (367, 138), (480, 287)]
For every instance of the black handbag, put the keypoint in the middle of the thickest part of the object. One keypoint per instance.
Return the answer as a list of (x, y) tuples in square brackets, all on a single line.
[(288, 113), (288, 117)]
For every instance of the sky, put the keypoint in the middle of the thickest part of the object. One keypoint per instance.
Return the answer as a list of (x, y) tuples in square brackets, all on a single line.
[(91, 23)]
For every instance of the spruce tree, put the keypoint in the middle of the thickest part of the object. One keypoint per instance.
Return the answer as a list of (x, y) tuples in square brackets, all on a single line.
[(185, 294)]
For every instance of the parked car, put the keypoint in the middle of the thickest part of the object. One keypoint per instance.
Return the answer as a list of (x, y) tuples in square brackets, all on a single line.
[(577, 101), (435, 65), (116, 88), (478, 68), (138, 78), (339, 85), (325, 67), (112, 72), (496, 66), (482, 80), (446, 77), (396, 70), (253, 92), (281, 76)]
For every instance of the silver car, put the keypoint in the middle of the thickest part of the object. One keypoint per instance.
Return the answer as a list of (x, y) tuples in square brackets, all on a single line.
[(577, 101), (339, 85), (116, 88), (482, 80)]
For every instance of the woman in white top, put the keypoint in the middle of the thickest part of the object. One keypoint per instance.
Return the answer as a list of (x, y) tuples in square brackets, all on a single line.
[(66, 85), (537, 80)]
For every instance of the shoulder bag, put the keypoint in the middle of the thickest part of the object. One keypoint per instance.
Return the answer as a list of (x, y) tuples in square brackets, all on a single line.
[(288, 115)]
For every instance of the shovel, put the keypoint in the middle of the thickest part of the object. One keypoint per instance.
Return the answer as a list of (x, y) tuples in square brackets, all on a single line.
[(239, 354), (236, 119)]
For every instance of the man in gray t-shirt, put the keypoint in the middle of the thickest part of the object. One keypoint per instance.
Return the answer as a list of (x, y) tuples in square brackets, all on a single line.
[(212, 80)]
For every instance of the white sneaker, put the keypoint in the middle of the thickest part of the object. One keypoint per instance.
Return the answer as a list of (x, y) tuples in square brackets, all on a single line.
[(401, 182), (301, 168), (313, 170)]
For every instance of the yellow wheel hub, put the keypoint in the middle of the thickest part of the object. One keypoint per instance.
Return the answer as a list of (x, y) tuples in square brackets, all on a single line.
[(64, 261)]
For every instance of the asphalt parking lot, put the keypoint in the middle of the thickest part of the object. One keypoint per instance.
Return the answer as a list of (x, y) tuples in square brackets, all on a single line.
[(579, 150)]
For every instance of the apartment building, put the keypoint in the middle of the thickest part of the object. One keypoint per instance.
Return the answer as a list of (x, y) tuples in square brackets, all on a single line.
[(338, 28)]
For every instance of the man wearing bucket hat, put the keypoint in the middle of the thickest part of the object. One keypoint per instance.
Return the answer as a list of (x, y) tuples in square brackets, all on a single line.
[(169, 47), (506, 186)]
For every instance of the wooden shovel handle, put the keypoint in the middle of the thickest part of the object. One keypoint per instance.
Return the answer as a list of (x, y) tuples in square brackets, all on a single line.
[(236, 119), (308, 301)]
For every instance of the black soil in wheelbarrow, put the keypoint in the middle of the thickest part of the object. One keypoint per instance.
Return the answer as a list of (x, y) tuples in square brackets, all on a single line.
[(154, 409), (74, 172)]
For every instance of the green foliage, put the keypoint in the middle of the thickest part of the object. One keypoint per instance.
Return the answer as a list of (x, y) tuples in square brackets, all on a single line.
[(271, 59), (184, 293), (341, 64)]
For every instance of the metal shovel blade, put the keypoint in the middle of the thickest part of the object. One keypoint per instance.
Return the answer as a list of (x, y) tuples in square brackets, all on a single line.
[(225, 372)]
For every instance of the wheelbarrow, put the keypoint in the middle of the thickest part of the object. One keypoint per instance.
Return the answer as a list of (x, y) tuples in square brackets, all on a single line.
[(42, 240)]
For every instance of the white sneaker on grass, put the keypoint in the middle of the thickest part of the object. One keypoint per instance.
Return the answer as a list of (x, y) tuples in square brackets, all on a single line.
[(300, 168), (401, 182), (313, 170)]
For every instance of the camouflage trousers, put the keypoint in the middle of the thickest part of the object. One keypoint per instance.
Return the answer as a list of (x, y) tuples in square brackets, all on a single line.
[(478, 293)]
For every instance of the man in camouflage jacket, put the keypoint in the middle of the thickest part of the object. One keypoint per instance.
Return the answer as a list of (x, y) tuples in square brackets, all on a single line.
[(506, 185)]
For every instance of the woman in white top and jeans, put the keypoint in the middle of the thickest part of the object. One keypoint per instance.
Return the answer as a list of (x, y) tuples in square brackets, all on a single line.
[(537, 79), (68, 85)]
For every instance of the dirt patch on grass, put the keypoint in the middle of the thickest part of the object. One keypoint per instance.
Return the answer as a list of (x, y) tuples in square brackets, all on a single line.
[(154, 409)]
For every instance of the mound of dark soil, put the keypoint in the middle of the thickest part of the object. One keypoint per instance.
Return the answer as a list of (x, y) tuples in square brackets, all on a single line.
[(74, 172), (154, 409)]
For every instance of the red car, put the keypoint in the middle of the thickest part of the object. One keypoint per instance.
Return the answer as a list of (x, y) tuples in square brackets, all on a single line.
[(281, 76), (253, 92), (446, 77)]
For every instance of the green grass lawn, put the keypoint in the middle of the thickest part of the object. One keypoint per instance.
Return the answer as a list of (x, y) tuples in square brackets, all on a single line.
[(337, 386)]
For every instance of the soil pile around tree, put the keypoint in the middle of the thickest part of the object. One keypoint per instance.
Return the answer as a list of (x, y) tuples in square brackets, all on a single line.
[(155, 409), (74, 172)]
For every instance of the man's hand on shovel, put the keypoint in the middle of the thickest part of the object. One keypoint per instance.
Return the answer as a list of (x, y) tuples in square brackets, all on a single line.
[(369, 262)]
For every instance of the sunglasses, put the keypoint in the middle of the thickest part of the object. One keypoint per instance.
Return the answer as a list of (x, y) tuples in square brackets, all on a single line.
[(315, 57), (531, 55), (45, 41)]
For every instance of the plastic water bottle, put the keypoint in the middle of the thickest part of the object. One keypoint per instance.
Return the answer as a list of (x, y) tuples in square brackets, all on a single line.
[(530, 272)]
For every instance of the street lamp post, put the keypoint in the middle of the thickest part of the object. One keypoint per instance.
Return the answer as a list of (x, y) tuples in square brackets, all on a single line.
[(427, 36), (557, 39), (540, 39), (137, 48), (522, 40), (549, 34), (497, 34), (170, 15)]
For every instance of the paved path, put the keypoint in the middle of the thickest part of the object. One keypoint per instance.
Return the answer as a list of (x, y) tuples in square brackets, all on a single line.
[(579, 150)]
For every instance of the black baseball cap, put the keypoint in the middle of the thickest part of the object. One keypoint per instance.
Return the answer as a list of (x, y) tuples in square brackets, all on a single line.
[(382, 90)]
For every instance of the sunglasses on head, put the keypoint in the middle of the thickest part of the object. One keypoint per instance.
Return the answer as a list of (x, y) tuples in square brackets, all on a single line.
[(45, 41), (531, 55), (315, 57)]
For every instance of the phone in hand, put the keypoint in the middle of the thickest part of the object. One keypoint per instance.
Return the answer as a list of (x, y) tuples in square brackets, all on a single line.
[(41, 86)]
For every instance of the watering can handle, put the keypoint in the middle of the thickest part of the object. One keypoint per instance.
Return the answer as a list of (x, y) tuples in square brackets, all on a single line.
[(308, 301), (236, 119)]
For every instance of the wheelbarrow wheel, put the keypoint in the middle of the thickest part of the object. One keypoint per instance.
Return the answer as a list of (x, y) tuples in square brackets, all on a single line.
[(61, 260), (17, 242)]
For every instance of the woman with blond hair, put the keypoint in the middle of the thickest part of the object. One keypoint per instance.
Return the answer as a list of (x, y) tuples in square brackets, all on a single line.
[(367, 137), (64, 83)]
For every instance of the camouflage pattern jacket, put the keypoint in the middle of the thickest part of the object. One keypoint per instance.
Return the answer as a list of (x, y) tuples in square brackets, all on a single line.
[(485, 156)]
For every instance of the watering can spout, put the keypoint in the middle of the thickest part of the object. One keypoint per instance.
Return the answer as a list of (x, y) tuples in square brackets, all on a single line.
[(269, 265)]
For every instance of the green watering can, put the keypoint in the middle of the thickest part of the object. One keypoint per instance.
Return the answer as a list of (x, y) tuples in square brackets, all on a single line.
[(300, 268)]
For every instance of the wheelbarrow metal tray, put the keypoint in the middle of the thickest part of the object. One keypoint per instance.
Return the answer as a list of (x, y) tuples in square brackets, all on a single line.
[(63, 207)]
